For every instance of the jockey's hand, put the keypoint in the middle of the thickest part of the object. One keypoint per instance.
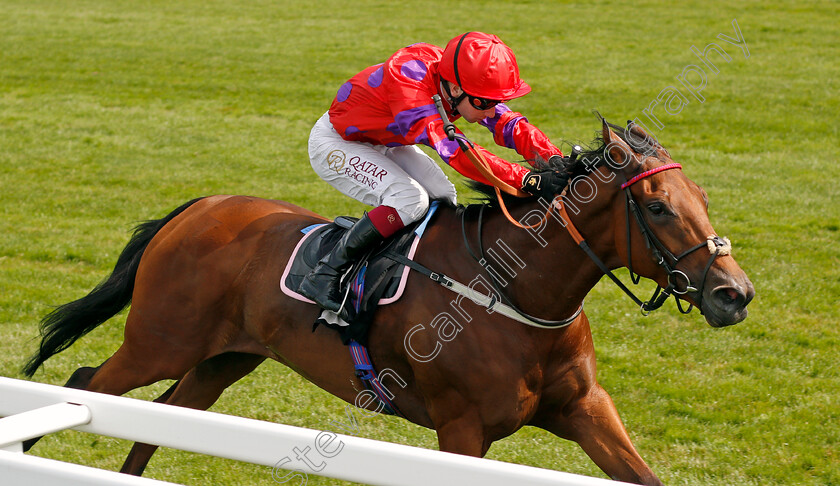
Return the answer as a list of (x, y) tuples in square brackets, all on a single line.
[(545, 183)]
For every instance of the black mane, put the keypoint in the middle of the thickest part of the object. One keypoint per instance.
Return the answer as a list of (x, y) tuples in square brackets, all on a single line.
[(591, 157)]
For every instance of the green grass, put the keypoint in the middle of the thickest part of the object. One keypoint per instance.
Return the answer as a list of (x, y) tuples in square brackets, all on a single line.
[(115, 112)]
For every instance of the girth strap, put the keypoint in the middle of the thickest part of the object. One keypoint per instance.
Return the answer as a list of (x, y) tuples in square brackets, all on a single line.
[(489, 301)]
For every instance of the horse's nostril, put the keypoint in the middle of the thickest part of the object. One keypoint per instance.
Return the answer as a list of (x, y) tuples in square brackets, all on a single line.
[(729, 297), (732, 294)]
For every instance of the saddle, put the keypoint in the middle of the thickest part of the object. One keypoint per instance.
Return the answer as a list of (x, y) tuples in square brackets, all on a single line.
[(374, 280)]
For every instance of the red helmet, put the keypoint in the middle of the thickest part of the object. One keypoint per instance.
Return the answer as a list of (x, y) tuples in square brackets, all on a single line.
[(483, 66)]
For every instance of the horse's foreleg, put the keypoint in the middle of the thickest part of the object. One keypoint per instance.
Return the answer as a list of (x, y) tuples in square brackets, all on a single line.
[(593, 422), (199, 389), (463, 435)]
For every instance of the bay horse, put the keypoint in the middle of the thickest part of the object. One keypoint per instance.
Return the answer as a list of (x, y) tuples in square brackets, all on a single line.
[(206, 309)]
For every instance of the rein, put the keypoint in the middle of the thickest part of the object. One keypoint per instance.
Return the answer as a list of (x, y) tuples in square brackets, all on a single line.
[(482, 260), (716, 245), (480, 163), (483, 167)]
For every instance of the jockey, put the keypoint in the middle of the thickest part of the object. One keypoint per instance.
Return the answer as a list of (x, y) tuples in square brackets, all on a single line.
[(364, 146)]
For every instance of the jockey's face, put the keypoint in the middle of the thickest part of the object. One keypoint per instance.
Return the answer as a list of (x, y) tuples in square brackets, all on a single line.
[(467, 110)]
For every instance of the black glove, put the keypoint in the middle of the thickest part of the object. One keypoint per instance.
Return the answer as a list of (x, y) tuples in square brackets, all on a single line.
[(556, 161), (545, 183)]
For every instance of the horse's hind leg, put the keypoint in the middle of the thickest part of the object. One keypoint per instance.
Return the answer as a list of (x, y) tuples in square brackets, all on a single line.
[(79, 380), (199, 389), (81, 377), (121, 373), (140, 449), (117, 375)]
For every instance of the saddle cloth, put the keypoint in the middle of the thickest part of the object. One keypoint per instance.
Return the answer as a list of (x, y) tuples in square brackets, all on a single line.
[(374, 280)]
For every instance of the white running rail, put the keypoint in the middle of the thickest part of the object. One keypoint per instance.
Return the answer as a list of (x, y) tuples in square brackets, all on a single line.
[(34, 409)]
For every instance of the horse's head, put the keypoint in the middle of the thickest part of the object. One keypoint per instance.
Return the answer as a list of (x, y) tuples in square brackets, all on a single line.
[(662, 229)]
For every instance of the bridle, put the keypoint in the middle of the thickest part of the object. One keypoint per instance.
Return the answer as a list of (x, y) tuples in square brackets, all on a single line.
[(664, 258), (679, 282)]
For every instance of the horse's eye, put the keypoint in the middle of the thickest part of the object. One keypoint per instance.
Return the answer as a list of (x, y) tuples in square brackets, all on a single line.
[(656, 208)]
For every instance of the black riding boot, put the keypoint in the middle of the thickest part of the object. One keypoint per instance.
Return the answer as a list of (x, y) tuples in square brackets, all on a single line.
[(322, 283)]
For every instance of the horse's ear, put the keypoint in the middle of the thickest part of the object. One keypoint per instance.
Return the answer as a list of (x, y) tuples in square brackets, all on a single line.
[(640, 132), (619, 154), (606, 132), (649, 143)]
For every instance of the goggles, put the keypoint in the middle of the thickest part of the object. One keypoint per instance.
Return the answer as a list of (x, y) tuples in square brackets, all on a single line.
[(482, 103)]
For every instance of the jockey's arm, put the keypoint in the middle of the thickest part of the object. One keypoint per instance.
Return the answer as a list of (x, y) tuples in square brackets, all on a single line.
[(418, 121), (416, 117), (451, 153), (512, 130)]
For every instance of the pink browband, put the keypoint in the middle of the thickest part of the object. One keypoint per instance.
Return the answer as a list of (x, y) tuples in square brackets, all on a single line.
[(650, 173)]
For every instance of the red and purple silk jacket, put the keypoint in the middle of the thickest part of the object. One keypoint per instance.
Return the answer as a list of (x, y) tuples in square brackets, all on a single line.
[(391, 104)]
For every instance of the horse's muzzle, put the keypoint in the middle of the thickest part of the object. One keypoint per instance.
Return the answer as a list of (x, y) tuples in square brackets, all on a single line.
[(726, 305)]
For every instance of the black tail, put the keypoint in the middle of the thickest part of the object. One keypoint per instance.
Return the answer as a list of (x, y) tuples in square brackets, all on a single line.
[(67, 323)]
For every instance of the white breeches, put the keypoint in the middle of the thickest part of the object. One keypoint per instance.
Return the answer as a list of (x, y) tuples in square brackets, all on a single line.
[(403, 177)]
